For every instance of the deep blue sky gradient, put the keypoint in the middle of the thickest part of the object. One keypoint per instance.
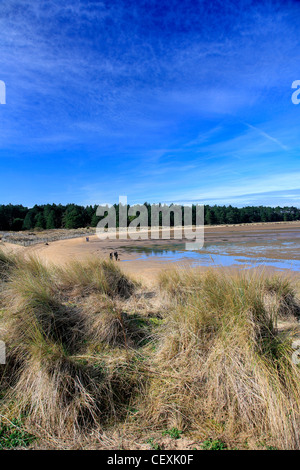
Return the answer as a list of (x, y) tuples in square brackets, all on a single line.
[(170, 101)]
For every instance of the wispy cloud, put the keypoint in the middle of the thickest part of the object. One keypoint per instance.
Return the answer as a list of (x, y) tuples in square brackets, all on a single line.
[(153, 99), (267, 136)]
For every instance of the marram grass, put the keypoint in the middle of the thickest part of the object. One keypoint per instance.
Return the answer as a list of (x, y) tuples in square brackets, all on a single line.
[(86, 356)]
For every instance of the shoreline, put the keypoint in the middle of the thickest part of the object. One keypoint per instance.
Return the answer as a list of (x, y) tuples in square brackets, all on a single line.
[(60, 252)]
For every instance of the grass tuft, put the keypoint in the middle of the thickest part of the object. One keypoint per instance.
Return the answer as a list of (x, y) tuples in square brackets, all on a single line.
[(211, 356), (221, 355)]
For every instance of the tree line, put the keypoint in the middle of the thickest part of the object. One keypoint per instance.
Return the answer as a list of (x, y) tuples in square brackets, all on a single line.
[(72, 216)]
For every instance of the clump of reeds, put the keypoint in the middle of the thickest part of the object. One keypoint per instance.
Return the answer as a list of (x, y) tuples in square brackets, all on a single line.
[(35, 304), (281, 295), (110, 324), (57, 391), (224, 368), (79, 355), (49, 377), (100, 276), (7, 261)]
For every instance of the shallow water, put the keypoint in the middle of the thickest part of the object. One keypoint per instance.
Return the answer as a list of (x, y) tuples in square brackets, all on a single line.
[(279, 252)]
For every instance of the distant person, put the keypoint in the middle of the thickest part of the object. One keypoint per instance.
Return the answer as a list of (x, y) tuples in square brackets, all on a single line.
[(116, 255), (87, 239), (111, 255)]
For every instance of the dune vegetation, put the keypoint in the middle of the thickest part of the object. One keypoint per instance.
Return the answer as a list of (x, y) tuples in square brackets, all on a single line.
[(96, 360)]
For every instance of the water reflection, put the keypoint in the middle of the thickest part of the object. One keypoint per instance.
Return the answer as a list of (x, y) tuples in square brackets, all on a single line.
[(279, 254)]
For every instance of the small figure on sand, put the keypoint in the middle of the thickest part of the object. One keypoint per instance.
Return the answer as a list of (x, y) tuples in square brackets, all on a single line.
[(116, 255), (111, 255), (87, 239)]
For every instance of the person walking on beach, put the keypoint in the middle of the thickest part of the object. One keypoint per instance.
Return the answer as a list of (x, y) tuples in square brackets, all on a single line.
[(111, 255), (116, 255)]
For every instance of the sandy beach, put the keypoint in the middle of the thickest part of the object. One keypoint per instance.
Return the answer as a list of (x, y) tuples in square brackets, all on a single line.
[(64, 251)]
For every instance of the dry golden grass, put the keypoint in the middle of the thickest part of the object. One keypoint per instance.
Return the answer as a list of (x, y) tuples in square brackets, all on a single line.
[(48, 376), (104, 277), (86, 346), (6, 262), (228, 371)]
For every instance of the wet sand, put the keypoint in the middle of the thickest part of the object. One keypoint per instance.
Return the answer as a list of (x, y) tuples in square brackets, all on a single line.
[(238, 239)]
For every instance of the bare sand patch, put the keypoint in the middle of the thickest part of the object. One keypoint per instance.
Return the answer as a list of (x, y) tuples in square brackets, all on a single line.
[(62, 251)]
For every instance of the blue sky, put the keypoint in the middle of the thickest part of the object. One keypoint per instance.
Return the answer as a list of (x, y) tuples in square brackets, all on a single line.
[(170, 101)]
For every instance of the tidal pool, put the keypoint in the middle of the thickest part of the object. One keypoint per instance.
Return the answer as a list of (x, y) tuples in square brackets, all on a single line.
[(275, 252)]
